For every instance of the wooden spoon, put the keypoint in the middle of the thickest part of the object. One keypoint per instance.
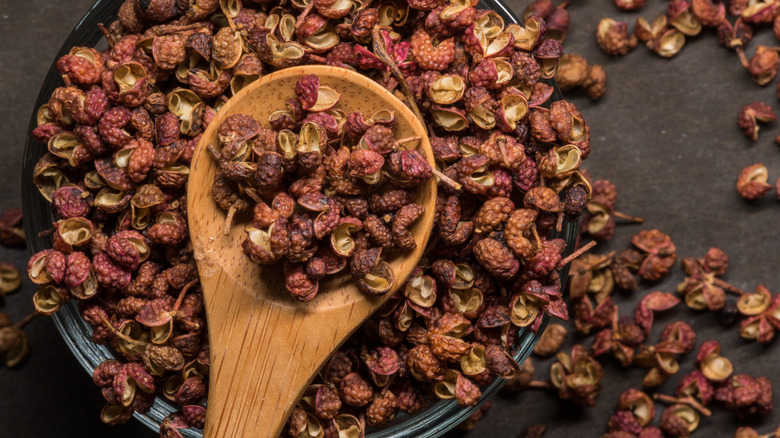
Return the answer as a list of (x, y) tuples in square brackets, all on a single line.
[(265, 346)]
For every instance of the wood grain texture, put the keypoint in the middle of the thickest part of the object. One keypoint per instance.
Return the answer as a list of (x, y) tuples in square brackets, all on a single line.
[(266, 346)]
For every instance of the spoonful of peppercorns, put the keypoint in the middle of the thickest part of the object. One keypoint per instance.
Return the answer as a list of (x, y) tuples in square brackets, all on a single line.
[(310, 200)]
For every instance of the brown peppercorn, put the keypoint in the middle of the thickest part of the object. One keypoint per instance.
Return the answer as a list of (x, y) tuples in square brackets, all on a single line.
[(496, 258), (751, 114), (326, 402), (424, 365), (492, 214), (612, 36), (708, 12), (679, 420), (378, 230), (382, 409), (429, 57), (403, 219), (389, 201), (355, 390), (752, 182), (764, 64), (572, 71), (661, 254), (595, 83), (551, 340)]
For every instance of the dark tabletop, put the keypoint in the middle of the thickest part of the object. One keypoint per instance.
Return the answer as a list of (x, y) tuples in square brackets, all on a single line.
[(665, 133)]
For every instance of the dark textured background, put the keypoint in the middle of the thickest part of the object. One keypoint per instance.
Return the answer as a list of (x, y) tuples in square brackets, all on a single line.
[(665, 134)]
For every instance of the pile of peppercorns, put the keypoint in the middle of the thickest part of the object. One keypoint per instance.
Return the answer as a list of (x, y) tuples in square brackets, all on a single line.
[(373, 178), (122, 130)]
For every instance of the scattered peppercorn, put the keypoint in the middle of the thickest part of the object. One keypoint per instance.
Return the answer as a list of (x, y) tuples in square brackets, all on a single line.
[(752, 182)]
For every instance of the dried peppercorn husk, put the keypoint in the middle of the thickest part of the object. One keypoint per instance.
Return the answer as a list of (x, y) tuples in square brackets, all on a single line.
[(621, 339), (551, 340), (577, 376), (661, 359), (587, 317), (639, 404), (679, 420), (650, 303), (613, 38), (761, 310), (751, 114), (660, 254), (591, 273), (752, 182), (601, 217), (702, 288), (10, 279), (746, 395)]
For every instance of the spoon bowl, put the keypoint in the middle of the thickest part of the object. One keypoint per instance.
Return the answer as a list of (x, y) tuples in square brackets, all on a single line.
[(265, 346)]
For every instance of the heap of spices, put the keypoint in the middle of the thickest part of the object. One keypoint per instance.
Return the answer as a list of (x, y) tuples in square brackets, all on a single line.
[(122, 129), (282, 175)]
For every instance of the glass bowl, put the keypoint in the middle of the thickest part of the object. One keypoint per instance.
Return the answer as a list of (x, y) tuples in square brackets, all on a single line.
[(432, 421)]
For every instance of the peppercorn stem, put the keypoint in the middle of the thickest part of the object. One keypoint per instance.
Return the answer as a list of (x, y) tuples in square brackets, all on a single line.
[(229, 219), (304, 13), (577, 252), (559, 223), (539, 384), (536, 236), (214, 152), (742, 57), (183, 293), (109, 38), (409, 139), (381, 52), (22, 322), (626, 217), (733, 289), (119, 334), (231, 23), (252, 193), (615, 319), (163, 30), (687, 400), (445, 179)]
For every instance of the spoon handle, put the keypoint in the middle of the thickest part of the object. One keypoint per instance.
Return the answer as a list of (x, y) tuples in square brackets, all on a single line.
[(264, 353)]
